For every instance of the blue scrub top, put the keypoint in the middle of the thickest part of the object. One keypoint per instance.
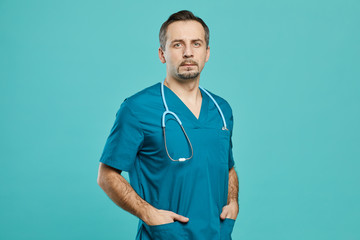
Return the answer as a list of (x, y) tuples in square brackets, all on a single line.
[(196, 188)]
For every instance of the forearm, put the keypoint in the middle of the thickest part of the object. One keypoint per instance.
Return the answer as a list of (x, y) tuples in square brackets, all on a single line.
[(122, 194), (231, 209), (233, 189)]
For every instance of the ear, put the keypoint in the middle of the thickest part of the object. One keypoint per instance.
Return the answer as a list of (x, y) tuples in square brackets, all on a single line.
[(207, 53), (161, 55)]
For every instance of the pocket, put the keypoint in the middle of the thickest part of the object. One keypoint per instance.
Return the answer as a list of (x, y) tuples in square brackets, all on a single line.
[(223, 145), (226, 228), (174, 231)]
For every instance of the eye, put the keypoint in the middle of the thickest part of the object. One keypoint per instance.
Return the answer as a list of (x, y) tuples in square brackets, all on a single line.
[(177, 44), (197, 44)]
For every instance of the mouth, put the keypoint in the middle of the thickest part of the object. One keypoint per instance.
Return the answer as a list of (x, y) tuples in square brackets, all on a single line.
[(188, 65)]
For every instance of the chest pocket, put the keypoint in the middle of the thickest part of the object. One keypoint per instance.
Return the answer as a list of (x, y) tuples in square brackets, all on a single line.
[(217, 144)]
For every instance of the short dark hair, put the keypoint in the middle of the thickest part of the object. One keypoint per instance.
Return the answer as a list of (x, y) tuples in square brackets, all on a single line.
[(183, 15)]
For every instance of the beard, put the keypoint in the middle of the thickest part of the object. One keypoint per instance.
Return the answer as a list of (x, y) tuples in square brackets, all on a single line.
[(190, 75), (186, 75)]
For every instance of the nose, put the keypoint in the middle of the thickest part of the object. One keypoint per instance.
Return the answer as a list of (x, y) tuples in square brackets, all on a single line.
[(188, 53)]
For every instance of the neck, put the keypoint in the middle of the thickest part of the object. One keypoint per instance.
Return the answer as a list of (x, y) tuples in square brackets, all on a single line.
[(188, 91)]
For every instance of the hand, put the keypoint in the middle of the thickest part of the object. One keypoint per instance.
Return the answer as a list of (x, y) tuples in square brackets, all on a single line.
[(162, 217), (230, 211)]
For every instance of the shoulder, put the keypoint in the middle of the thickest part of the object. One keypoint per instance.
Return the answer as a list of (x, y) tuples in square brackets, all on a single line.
[(144, 97)]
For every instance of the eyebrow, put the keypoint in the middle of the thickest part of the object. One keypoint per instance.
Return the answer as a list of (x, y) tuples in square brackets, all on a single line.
[(180, 40)]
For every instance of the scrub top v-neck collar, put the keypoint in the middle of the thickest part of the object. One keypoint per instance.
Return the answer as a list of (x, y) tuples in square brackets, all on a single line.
[(179, 107)]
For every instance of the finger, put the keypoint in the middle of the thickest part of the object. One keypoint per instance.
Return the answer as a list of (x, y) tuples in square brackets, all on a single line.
[(223, 214), (180, 218)]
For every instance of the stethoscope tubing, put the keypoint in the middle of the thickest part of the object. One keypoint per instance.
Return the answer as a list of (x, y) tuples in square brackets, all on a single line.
[(167, 111)]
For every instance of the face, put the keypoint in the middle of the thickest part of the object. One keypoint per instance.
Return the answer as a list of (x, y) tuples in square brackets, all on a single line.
[(185, 52)]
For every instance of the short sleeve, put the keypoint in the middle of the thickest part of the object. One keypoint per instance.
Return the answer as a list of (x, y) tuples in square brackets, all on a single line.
[(231, 157), (125, 140)]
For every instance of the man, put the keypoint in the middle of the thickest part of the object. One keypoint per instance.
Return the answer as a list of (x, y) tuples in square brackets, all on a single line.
[(183, 183)]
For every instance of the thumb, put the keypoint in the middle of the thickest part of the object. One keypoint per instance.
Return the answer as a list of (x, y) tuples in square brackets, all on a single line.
[(223, 215), (180, 218)]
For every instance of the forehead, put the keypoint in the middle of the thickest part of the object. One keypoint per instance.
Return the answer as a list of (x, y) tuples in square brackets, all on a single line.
[(185, 30)]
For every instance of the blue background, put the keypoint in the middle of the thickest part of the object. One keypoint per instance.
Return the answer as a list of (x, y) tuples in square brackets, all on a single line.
[(289, 69)]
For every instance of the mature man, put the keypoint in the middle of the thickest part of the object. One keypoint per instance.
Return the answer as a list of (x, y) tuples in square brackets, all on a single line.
[(174, 139)]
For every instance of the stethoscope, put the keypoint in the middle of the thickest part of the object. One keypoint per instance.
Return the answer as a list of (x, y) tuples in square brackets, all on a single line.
[(167, 111)]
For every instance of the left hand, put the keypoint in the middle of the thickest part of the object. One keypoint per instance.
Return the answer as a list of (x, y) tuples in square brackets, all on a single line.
[(230, 211)]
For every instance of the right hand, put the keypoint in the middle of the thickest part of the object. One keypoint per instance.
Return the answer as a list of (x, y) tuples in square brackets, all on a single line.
[(162, 217)]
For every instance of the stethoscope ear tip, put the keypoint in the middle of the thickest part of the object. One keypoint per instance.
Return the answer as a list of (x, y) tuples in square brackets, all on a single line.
[(224, 128)]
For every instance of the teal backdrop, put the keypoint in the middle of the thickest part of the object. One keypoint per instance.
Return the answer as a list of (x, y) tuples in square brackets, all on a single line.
[(289, 69)]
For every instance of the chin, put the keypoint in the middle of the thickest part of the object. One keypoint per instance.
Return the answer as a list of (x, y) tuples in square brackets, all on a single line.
[(188, 75)]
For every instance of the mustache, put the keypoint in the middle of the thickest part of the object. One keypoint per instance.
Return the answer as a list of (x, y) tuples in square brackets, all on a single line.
[(188, 62)]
